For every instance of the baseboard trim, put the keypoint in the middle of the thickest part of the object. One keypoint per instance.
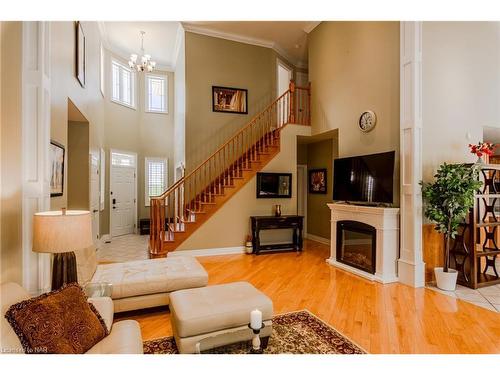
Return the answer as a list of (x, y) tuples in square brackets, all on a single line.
[(105, 238), (209, 252), (319, 239)]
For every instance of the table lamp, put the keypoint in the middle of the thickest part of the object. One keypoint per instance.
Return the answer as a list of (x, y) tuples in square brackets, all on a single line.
[(60, 233)]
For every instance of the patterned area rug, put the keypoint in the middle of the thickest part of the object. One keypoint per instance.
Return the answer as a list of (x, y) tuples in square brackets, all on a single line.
[(293, 333)]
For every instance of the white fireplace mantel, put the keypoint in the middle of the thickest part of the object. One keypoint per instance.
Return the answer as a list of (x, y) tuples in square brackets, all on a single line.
[(386, 223)]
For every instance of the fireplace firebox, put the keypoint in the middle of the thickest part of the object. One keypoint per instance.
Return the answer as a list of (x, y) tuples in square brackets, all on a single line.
[(356, 245)]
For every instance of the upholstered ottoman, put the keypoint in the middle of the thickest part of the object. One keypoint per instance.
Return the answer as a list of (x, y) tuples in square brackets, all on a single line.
[(143, 283), (217, 315)]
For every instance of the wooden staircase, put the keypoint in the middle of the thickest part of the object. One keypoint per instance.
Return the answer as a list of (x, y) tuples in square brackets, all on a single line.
[(190, 201)]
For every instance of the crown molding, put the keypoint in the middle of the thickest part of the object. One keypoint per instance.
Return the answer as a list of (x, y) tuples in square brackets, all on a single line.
[(312, 25), (244, 39)]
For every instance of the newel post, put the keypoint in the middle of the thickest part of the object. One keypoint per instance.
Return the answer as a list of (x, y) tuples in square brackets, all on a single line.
[(291, 116)]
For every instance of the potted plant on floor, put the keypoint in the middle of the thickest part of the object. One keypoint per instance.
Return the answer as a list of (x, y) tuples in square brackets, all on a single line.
[(448, 200)]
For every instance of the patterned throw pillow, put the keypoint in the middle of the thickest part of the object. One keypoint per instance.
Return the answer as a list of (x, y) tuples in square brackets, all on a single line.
[(61, 322)]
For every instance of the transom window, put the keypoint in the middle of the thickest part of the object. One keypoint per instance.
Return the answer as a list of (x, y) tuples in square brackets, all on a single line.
[(123, 84), (155, 178), (156, 93)]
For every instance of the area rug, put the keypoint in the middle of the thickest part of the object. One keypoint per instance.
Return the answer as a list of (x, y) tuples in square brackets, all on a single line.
[(298, 332)]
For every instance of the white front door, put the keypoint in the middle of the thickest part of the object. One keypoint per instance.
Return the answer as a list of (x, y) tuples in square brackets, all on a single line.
[(94, 194), (122, 193)]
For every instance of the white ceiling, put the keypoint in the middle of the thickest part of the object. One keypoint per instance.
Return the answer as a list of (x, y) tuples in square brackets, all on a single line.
[(160, 40), (289, 38)]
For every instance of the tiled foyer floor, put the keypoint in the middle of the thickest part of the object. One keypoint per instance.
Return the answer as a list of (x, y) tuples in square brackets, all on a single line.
[(124, 249), (487, 297)]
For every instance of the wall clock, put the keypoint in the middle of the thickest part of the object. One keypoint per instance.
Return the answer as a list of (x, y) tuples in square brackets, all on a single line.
[(367, 121)]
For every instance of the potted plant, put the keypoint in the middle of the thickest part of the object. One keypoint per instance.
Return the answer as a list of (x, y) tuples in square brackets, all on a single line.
[(448, 200)]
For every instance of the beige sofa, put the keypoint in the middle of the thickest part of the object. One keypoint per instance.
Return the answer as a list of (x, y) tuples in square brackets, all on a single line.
[(124, 337), (144, 283)]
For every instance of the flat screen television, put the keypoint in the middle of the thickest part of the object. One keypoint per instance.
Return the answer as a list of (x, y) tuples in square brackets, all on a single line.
[(367, 178)]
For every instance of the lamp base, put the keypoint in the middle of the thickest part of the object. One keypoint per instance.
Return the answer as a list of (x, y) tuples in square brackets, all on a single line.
[(63, 269)]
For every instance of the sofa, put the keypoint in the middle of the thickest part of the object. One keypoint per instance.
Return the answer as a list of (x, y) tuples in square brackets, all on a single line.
[(124, 337), (144, 283)]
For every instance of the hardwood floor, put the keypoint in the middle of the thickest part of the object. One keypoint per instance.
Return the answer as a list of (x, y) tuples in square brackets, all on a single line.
[(391, 318)]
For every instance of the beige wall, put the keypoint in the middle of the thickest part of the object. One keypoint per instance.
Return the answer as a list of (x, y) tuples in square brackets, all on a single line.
[(10, 151), (354, 66), (320, 155), (180, 105), (78, 166), (64, 86), (219, 62), (461, 89), (233, 218), (134, 130)]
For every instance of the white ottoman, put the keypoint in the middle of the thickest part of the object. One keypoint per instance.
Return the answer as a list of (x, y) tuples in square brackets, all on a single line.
[(217, 315)]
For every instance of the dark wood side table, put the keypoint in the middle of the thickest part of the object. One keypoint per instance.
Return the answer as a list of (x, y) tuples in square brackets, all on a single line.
[(293, 222)]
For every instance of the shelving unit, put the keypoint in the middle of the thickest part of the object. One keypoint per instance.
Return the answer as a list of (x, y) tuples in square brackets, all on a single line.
[(475, 249)]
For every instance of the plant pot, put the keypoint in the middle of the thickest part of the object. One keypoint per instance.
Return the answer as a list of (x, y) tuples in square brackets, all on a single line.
[(446, 280), (248, 247)]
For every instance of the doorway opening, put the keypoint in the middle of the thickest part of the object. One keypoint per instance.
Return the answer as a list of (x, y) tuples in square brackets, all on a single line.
[(83, 169), (284, 75), (122, 193)]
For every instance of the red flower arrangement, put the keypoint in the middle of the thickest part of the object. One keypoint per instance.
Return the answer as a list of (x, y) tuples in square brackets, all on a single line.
[(482, 148)]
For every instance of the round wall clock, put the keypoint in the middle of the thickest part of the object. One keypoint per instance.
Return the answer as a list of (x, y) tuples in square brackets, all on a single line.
[(367, 121)]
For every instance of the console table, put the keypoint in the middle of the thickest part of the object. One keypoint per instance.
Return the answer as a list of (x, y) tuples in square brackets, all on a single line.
[(294, 222)]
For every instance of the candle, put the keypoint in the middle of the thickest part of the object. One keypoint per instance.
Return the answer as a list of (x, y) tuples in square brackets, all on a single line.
[(256, 319)]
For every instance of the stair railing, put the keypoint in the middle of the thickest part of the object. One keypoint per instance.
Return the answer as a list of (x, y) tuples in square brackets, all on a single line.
[(181, 202)]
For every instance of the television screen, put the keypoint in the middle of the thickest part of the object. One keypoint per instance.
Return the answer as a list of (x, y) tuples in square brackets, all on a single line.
[(367, 178)]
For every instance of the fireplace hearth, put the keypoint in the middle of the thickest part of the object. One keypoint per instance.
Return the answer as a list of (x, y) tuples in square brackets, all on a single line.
[(356, 245)]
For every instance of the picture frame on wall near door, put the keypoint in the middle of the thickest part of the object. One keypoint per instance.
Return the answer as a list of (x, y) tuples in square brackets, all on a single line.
[(317, 181), (81, 51), (56, 154)]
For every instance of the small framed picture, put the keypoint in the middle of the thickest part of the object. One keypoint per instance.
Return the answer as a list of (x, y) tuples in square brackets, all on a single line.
[(317, 181), (228, 99), (56, 169), (80, 58)]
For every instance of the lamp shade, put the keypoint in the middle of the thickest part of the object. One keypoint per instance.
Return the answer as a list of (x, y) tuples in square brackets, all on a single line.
[(61, 231)]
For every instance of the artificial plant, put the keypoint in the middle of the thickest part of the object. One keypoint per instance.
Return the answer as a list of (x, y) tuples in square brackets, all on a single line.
[(449, 198)]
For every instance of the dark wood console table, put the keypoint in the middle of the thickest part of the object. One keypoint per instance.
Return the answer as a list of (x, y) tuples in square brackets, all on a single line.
[(294, 222)]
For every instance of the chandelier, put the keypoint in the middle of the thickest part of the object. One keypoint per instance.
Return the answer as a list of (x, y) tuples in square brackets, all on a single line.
[(145, 63)]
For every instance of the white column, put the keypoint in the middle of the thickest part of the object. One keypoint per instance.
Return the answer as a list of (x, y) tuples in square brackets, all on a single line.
[(411, 270), (35, 147)]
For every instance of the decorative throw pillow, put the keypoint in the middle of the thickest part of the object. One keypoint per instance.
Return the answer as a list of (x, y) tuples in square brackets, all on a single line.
[(61, 322)]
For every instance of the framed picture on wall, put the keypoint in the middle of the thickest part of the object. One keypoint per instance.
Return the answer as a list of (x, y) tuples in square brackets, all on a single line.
[(317, 181), (228, 99), (56, 154), (80, 57)]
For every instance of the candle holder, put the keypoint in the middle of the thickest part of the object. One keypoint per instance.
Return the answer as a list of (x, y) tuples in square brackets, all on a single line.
[(256, 349)]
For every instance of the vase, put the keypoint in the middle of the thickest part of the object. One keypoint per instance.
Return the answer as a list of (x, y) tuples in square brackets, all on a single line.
[(480, 160), (277, 210)]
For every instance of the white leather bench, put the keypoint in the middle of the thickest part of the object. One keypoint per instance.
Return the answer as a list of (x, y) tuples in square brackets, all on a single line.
[(217, 315), (144, 283)]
